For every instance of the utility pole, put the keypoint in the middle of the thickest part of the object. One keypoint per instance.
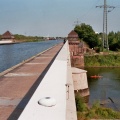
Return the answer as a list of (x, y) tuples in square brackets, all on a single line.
[(105, 11), (77, 22)]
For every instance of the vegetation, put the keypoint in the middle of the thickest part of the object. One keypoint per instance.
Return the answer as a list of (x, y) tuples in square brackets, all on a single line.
[(22, 38), (109, 60), (80, 107), (114, 41), (103, 59), (95, 112), (88, 35)]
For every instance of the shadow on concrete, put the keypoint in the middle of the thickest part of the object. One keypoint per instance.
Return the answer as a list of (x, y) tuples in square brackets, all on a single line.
[(20, 107)]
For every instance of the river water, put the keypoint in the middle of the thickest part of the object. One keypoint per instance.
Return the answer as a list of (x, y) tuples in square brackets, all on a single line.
[(13, 54), (106, 90)]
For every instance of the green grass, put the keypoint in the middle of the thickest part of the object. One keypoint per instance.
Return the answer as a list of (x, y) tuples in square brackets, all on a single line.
[(102, 60), (95, 112)]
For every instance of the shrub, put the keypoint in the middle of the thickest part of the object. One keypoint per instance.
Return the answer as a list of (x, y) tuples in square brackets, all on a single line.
[(102, 60), (96, 105), (80, 105)]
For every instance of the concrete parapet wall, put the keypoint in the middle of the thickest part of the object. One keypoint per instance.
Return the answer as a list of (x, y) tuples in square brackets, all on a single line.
[(54, 85)]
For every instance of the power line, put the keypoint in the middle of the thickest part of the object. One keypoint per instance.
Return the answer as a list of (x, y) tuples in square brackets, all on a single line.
[(105, 11), (77, 22), (89, 11)]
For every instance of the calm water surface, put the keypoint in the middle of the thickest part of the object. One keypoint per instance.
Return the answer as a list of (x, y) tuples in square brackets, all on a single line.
[(13, 54), (106, 90)]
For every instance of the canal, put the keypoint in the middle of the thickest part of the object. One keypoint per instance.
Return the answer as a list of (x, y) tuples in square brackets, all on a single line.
[(13, 54), (106, 90)]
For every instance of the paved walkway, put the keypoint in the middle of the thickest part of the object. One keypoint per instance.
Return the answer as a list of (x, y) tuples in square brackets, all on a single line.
[(19, 84)]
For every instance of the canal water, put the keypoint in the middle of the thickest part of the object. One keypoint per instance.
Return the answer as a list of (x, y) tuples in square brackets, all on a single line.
[(106, 90), (13, 54)]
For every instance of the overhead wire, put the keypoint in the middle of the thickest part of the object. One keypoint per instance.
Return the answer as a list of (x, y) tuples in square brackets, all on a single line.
[(118, 6), (89, 11)]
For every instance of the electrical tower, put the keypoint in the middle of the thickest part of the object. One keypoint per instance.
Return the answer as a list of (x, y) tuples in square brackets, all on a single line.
[(77, 22), (105, 12)]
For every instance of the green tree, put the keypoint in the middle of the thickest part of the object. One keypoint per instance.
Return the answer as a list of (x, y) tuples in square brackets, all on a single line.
[(87, 34), (114, 40)]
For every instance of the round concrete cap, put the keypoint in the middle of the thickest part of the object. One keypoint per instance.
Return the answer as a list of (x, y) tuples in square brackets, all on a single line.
[(47, 102)]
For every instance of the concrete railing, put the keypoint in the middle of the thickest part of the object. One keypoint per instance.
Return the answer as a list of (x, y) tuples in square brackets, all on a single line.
[(54, 98)]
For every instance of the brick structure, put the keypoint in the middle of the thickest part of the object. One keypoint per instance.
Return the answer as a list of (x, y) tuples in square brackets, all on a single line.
[(8, 36), (76, 49)]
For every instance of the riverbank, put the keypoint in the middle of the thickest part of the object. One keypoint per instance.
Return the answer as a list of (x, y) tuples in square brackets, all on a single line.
[(95, 111), (17, 42), (110, 60), (9, 43)]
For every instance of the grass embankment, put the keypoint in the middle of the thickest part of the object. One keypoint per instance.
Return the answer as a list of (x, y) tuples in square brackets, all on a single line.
[(95, 112), (22, 38), (109, 60)]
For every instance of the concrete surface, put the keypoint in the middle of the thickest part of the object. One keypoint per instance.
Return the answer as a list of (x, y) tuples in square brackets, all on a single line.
[(54, 85), (18, 85)]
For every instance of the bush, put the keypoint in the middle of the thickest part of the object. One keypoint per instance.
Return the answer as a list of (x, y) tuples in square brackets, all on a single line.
[(91, 114), (80, 105), (96, 105), (102, 61), (95, 112)]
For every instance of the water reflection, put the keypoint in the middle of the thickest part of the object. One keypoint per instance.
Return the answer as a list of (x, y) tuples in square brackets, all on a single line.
[(105, 89)]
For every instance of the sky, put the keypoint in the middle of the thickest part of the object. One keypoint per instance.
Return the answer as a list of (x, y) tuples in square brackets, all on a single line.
[(55, 17)]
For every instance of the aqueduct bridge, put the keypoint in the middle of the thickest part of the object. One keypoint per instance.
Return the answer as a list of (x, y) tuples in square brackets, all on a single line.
[(40, 88)]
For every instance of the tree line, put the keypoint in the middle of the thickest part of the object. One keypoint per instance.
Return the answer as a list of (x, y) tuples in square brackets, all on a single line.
[(27, 38), (94, 40), (23, 38)]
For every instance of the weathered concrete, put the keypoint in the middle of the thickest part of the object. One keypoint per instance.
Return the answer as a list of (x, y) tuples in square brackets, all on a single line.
[(79, 78), (80, 82), (71, 113), (18, 84)]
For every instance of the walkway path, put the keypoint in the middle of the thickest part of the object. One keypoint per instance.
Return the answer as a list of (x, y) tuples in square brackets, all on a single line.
[(18, 85)]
